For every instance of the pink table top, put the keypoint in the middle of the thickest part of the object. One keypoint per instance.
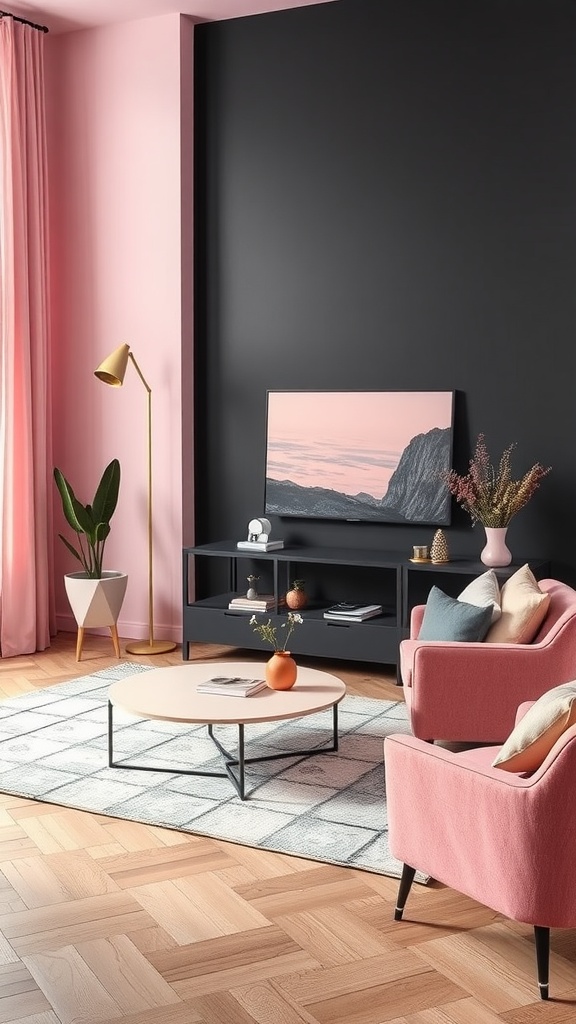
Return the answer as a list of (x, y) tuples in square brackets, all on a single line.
[(169, 694)]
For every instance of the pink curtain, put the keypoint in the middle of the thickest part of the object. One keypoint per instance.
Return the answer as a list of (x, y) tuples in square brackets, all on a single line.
[(27, 616)]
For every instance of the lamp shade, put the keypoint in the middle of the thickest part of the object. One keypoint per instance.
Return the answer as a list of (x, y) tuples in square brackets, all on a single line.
[(112, 369)]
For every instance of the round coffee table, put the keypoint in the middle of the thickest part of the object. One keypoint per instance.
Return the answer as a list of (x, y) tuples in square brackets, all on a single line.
[(170, 694)]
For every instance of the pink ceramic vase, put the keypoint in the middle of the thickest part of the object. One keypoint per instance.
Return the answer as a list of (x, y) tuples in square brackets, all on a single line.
[(495, 553)]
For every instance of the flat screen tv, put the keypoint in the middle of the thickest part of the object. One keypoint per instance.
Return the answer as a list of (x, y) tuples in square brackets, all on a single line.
[(362, 456)]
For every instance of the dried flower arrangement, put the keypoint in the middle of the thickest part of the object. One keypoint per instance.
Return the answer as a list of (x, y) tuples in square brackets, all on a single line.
[(268, 632), (492, 497)]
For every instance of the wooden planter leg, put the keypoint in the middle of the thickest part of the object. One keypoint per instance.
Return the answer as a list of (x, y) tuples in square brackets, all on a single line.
[(79, 642), (116, 641)]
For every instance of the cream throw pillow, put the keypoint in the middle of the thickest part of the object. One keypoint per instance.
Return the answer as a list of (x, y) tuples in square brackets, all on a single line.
[(484, 591), (524, 607), (536, 733)]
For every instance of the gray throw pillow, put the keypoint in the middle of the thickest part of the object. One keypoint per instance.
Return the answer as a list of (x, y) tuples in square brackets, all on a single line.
[(446, 618)]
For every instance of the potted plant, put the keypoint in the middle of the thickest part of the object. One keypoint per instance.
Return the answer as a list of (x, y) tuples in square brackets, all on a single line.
[(95, 594), (492, 496), (281, 670)]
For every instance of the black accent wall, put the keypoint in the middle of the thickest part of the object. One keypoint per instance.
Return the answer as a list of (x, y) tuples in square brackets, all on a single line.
[(385, 199)]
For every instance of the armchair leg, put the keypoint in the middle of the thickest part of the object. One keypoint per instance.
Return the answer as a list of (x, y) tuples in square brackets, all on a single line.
[(542, 938), (405, 886)]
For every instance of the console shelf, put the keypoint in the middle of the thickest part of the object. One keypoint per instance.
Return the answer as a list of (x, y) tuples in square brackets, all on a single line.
[(340, 574)]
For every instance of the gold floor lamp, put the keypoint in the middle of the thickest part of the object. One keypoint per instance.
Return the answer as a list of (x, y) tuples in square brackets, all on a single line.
[(111, 371)]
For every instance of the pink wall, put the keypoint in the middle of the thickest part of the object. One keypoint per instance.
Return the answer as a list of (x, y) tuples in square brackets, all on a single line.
[(121, 263)]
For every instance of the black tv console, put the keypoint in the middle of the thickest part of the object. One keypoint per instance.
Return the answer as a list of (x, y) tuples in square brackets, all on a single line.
[(339, 574)]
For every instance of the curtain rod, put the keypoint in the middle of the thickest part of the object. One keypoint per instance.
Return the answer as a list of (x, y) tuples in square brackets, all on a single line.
[(23, 21)]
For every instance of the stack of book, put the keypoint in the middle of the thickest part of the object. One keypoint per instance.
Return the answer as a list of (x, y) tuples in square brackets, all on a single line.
[(257, 545), (347, 612), (262, 603), (231, 686)]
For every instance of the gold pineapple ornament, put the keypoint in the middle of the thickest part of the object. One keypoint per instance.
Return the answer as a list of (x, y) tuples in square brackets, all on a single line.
[(439, 548)]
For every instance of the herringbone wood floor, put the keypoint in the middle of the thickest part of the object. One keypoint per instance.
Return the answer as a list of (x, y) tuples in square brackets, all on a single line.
[(102, 920)]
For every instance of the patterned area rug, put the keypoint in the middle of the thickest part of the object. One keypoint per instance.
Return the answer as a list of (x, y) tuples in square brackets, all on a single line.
[(329, 808)]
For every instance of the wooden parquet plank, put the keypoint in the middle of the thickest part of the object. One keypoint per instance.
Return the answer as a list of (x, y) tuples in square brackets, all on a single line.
[(6, 819), (48, 928), (356, 976), (217, 965), (264, 863), (379, 1003), (10, 901), (216, 956), (19, 992), (63, 829), (429, 915), (46, 835), (157, 865), (30, 1001), (321, 886), (75, 993), (463, 1011), (126, 973), (334, 935), (45, 1017), (267, 1005), (550, 1012), (133, 835), (14, 843), (181, 1013), (265, 969), (42, 881), (19, 807), (8, 954), (15, 978), (384, 887), (190, 911), (167, 836), (151, 940), (223, 1008), (498, 984)]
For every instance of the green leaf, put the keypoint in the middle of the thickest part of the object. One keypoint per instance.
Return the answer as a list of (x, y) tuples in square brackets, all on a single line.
[(68, 501), (91, 521), (74, 552), (106, 497)]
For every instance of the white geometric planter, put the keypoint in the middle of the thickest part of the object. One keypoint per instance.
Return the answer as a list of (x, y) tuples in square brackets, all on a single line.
[(96, 602)]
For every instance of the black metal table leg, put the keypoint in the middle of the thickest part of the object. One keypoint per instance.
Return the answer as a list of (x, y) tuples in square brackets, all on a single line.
[(110, 734), (241, 760), (231, 761)]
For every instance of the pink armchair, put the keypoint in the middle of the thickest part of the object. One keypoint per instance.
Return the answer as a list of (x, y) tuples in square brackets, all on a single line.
[(470, 691), (506, 841)]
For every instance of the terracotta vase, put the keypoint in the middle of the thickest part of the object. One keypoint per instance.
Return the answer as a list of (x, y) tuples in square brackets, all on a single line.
[(281, 671), (496, 553), (297, 597)]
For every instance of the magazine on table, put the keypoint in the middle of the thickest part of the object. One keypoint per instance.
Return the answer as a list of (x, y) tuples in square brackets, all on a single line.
[(231, 686)]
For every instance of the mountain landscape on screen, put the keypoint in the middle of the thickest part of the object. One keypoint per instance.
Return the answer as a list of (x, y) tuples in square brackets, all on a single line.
[(415, 493)]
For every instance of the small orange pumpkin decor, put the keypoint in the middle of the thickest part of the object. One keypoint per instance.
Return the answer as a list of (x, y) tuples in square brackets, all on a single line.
[(296, 598), (281, 671)]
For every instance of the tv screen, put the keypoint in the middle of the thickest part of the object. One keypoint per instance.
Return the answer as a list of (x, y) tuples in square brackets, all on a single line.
[(363, 456)]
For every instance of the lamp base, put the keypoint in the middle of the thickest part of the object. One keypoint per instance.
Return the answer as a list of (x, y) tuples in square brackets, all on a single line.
[(151, 647)]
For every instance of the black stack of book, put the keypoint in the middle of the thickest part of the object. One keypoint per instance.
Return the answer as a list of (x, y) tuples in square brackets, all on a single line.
[(347, 612)]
